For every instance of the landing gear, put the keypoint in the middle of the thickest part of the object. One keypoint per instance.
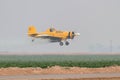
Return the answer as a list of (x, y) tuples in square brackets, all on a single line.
[(33, 40), (67, 43), (61, 43)]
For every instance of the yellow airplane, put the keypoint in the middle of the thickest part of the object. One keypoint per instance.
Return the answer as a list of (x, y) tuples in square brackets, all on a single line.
[(52, 34)]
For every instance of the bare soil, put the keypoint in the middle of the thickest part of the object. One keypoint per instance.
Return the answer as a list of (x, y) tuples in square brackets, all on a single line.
[(57, 70), (114, 78), (88, 79)]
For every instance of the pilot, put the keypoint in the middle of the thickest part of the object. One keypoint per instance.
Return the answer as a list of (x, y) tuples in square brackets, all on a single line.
[(52, 29)]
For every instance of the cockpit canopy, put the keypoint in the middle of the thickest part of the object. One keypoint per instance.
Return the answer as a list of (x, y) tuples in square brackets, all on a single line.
[(52, 29)]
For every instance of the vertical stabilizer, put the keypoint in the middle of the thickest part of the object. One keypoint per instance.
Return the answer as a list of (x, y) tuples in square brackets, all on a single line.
[(32, 30)]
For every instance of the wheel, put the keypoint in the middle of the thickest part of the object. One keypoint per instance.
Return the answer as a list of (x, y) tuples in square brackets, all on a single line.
[(32, 40), (67, 43), (61, 43)]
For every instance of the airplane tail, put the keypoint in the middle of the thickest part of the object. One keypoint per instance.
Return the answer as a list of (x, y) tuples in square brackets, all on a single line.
[(31, 30)]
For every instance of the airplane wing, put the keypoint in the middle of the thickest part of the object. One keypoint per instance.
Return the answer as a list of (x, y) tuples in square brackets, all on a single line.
[(51, 38)]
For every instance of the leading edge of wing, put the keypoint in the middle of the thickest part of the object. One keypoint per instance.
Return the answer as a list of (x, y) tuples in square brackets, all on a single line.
[(52, 38)]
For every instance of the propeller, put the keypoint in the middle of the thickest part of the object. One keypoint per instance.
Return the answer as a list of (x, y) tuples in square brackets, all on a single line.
[(77, 34), (74, 34)]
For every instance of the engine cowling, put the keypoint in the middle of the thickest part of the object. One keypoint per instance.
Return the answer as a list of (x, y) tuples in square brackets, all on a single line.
[(71, 35)]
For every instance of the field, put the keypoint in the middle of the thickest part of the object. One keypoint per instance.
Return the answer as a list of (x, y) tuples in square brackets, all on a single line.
[(44, 61)]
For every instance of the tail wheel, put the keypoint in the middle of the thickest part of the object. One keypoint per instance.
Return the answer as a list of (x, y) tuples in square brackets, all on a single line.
[(67, 43), (61, 43), (32, 40)]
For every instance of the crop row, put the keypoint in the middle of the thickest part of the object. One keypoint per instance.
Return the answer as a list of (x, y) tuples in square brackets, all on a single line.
[(93, 64), (44, 61)]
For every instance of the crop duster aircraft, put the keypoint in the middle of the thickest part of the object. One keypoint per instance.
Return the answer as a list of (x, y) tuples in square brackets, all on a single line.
[(52, 34)]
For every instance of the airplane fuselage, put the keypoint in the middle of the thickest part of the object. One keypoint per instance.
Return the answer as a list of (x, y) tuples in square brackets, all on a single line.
[(52, 34)]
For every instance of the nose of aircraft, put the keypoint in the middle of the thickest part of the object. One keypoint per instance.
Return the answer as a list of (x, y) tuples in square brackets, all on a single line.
[(77, 34)]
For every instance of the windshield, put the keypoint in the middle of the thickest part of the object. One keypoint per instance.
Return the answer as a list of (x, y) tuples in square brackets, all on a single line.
[(52, 29)]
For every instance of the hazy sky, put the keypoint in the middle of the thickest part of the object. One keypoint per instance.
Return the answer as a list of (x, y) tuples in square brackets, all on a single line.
[(98, 21)]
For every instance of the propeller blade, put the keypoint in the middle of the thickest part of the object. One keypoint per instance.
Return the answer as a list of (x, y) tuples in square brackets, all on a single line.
[(77, 34)]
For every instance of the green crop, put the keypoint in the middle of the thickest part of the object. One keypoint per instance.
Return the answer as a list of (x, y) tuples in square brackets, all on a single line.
[(44, 61)]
